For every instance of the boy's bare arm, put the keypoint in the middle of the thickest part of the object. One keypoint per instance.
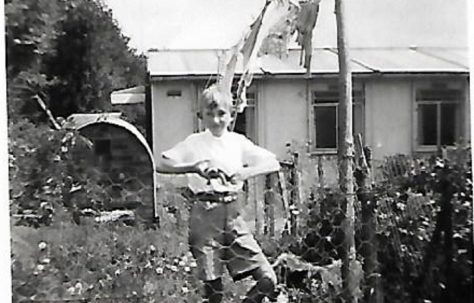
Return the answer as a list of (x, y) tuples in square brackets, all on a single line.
[(169, 166), (263, 166)]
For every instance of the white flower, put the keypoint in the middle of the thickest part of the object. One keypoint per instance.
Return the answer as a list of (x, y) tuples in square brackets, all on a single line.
[(152, 248), (159, 270), (42, 245), (193, 264), (71, 290), (182, 263), (40, 267), (184, 289), (174, 268), (78, 287), (187, 269), (46, 261), (117, 272)]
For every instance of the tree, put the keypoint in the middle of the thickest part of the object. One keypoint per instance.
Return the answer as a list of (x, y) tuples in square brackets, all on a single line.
[(92, 60), (31, 29), (71, 53)]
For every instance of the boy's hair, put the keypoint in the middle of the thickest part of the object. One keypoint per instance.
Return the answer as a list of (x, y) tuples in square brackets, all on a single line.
[(214, 96)]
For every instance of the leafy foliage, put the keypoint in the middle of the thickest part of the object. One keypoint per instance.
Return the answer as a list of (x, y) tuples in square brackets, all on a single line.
[(414, 237), (41, 160), (71, 53), (431, 198), (93, 261)]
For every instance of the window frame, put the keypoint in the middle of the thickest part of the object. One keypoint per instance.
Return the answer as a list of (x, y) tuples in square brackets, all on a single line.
[(358, 98), (252, 102), (459, 118)]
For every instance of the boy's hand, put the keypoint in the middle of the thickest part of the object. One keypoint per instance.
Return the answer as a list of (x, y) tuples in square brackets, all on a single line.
[(201, 168), (216, 173), (236, 178)]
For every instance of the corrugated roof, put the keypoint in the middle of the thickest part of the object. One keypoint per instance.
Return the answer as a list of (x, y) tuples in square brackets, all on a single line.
[(77, 121), (130, 95), (187, 62), (411, 59), (365, 60)]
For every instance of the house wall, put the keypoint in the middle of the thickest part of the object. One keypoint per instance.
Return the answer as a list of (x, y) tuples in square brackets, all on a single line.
[(173, 118), (389, 116), (282, 114)]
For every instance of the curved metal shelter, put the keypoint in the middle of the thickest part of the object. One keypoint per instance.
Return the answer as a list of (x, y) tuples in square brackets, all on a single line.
[(84, 121)]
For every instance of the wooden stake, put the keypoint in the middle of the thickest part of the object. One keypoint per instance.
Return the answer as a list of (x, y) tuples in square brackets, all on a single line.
[(346, 154)]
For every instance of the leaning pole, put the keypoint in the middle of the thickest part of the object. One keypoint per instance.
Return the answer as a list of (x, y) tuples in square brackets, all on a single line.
[(346, 154)]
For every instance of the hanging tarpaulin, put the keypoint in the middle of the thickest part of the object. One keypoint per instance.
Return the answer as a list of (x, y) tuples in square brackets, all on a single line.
[(247, 49), (305, 23), (275, 18)]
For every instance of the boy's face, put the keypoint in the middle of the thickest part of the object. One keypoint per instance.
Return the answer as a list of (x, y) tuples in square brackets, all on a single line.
[(216, 117)]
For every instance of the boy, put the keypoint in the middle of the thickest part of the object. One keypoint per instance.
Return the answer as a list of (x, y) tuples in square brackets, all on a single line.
[(217, 162)]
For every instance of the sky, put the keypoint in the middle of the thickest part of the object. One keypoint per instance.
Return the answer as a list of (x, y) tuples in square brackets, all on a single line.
[(184, 24)]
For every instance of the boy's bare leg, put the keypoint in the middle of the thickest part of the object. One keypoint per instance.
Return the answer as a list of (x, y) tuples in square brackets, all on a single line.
[(213, 291), (265, 286)]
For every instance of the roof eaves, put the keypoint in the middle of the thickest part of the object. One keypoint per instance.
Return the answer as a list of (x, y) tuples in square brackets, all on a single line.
[(356, 61), (438, 57)]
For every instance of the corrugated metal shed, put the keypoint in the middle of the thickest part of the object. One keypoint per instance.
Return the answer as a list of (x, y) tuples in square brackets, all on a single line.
[(188, 63), (80, 121)]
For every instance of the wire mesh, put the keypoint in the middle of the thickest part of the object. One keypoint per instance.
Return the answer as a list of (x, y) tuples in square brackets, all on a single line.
[(102, 245)]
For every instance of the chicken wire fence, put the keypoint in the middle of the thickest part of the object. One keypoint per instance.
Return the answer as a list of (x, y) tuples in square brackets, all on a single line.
[(106, 245)]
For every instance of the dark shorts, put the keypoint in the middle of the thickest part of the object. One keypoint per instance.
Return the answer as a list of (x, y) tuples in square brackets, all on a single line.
[(219, 239)]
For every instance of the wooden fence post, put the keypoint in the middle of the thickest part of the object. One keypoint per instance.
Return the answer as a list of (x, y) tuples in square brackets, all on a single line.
[(271, 183), (346, 154), (295, 196), (369, 245)]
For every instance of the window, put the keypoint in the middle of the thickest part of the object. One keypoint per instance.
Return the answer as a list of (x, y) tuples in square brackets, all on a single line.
[(439, 117), (247, 120), (325, 114), (173, 93)]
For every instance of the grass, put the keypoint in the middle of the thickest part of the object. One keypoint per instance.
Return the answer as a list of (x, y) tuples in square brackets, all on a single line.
[(107, 262)]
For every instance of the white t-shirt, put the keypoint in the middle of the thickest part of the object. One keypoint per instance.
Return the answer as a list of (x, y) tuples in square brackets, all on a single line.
[(229, 152)]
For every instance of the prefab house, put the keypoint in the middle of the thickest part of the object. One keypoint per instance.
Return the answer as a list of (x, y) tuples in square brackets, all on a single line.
[(410, 82), (406, 100)]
